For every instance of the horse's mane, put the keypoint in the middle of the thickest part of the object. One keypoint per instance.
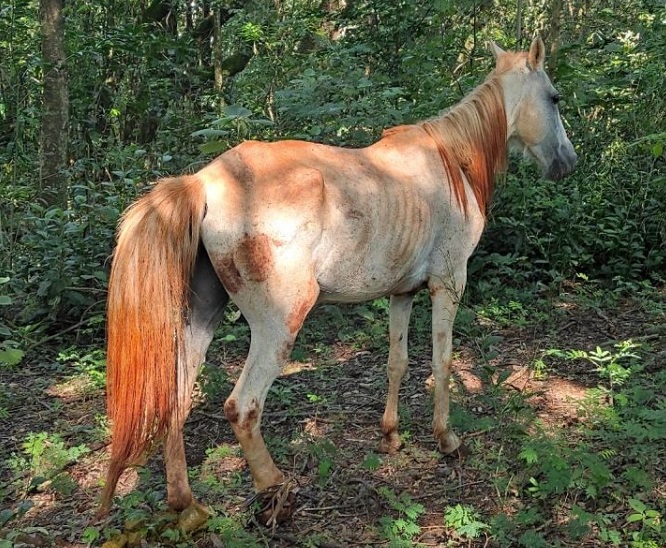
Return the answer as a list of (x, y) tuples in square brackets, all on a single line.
[(471, 140)]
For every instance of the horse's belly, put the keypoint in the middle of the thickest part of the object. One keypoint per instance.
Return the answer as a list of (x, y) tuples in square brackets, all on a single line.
[(359, 281)]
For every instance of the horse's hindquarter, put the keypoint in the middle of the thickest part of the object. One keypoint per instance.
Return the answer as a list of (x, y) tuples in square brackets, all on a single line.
[(263, 212)]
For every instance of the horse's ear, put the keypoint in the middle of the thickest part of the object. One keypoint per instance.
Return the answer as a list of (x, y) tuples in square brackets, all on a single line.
[(495, 50), (537, 54)]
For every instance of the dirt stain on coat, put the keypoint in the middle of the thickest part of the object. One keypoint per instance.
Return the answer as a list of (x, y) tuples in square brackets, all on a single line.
[(254, 257)]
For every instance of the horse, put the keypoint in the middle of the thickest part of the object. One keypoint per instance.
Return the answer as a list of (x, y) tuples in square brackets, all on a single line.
[(280, 227)]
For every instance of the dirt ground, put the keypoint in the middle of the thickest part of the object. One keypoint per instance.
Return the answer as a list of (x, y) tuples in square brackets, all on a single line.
[(321, 423)]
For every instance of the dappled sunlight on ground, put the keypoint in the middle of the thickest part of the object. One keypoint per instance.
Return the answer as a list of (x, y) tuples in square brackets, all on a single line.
[(74, 388), (321, 423)]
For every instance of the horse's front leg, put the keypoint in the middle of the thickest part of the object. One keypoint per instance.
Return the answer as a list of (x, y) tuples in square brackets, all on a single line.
[(445, 299), (400, 311)]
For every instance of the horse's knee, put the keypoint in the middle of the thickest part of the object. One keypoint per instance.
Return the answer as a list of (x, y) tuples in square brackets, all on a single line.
[(397, 367)]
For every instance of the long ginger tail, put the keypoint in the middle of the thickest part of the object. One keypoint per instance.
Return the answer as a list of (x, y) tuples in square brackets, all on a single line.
[(158, 240)]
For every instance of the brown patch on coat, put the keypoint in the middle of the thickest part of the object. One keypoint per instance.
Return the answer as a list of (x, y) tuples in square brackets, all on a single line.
[(434, 290), (231, 410), (285, 352), (297, 316), (228, 273), (254, 257), (354, 214), (252, 417), (300, 310), (233, 416)]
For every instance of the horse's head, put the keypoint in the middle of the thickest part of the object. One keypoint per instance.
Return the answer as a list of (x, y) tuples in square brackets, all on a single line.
[(534, 123)]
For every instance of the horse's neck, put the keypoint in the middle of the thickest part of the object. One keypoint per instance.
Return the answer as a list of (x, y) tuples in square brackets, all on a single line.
[(471, 138)]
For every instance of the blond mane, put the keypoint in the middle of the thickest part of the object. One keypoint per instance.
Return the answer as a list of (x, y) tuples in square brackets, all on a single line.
[(471, 141)]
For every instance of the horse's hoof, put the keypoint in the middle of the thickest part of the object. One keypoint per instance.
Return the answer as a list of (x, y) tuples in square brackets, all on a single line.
[(448, 442), (390, 443), (275, 505), (193, 517)]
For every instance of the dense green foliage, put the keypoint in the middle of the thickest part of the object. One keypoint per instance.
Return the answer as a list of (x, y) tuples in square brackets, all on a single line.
[(144, 104)]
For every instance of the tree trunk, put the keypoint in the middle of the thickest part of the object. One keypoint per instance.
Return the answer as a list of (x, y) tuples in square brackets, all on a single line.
[(217, 53), (55, 105), (553, 35), (519, 24)]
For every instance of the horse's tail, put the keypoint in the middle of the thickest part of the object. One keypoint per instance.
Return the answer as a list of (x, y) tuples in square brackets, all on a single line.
[(158, 240)]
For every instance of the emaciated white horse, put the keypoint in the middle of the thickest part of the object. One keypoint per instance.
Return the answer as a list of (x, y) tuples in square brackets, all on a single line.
[(279, 227)]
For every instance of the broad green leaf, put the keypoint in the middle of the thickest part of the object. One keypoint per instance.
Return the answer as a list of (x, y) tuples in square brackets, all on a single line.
[(635, 517), (11, 356), (237, 111), (637, 505), (214, 147), (210, 132)]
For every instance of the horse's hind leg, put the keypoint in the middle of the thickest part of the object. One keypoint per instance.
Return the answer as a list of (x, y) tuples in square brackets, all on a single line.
[(275, 309), (400, 311), (207, 301)]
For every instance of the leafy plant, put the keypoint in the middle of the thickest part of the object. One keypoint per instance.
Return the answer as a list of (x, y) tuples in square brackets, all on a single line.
[(46, 457), (10, 351), (235, 125), (90, 363), (616, 367), (464, 521), (400, 531), (232, 532), (650, 521), (371, 462)]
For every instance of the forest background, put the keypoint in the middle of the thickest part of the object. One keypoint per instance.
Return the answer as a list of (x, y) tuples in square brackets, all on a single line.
[(98, 100)]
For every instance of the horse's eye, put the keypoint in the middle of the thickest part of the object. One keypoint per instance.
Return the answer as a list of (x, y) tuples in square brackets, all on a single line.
[(555, 99)]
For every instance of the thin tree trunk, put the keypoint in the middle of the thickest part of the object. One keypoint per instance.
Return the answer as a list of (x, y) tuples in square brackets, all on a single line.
[(553, 36), (217, 51), (55, 105), (519, 24)]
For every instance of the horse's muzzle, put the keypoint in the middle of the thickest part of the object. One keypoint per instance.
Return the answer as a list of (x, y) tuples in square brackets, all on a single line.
[(562, 165)]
